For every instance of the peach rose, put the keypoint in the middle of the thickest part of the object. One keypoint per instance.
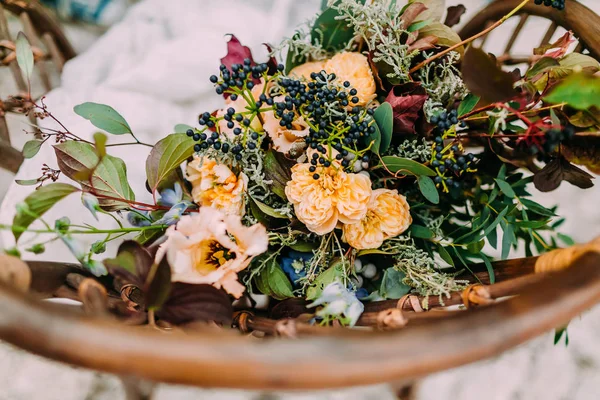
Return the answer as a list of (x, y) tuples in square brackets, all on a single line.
[(285, 140), (387, 216), (334, 196), (240, 105), (210, 247), (354, 68), (215, 185), (304, 70)]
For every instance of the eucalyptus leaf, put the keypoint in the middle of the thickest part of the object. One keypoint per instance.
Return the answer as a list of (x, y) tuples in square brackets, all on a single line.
[(384, 117), (507, 241), (303, 247), (489, 268), (445, 255), (38, 202), (421, 232), (468, 104), (506, 188), (428, 189), (405, 166), (32, 147), (24, 55), (392, 286), (103, 117), (268, 210), (330, 33), (108, 178), (167, 155)]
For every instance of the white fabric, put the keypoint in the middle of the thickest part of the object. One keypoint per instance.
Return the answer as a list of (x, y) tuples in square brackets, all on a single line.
[(153, 67)]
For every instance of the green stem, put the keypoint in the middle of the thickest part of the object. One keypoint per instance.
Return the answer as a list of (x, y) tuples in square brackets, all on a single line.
[(84, 232)]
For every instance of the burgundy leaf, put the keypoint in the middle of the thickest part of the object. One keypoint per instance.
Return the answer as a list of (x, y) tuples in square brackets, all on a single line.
[(426, 43), (407, 102), (558, 170), (236, 53), (158, 285), (485, 78), (411, 13), (454, 14), (189, 303), (131, 264)]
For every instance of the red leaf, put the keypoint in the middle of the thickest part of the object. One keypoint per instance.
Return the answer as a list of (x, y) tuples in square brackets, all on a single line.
[(426, 43), (411, 13), (236, 53), (407, 102), (272, 62)]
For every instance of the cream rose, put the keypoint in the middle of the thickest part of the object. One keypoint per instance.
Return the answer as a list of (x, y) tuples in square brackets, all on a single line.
[(334, 196), (211, 248), (388, 215), (215, 185), (354, 68)]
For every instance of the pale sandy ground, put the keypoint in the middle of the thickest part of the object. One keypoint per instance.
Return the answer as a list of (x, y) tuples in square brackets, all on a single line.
[(536, 370)]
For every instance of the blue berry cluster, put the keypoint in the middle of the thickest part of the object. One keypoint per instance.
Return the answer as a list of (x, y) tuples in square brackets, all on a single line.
[(558, 4), (334, 119), (448, 158)]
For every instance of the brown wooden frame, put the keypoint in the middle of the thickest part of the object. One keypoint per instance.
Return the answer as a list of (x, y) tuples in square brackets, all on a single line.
[(575, 17), (344, 357)]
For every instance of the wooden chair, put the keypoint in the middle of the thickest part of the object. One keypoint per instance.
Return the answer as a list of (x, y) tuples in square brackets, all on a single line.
[(576, 17), (44, 33)]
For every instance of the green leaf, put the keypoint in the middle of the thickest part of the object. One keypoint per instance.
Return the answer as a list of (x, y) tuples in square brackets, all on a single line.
[(292, 60), (445, 255), (475, 247), (31, 148), (468, 104), (531, 224), (428, 189), (167, 155), (492, 238), (384, 117), (392, 286), (273, 282), (543, 65), (148, 236), (103, 117), (109, 177), (418, 25), (447, 37), (579, 91), (489, 267), (537, 208), (24, 55), (268, 210), (303, 246), (568, 240), (26, 182), (421, 232), (507, 241), (182, 128), (100, 143), (38, 202), (505, 187), (367, 252), (330, 33), (405, 166), (330, 275), (558, 334), (158, 285)]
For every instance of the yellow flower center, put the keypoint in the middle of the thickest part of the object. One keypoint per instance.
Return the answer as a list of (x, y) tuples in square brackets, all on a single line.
[(208, 255)]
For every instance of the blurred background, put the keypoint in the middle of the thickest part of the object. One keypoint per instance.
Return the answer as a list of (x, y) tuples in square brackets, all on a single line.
[(150, 59)]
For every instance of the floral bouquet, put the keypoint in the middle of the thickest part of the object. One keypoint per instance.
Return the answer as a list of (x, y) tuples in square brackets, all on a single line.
[(377, 161)]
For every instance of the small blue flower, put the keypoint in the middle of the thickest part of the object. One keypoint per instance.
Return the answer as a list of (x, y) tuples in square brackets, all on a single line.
[(138, 218), (361, 293), (173, 216), (294, 265), (171, 197)]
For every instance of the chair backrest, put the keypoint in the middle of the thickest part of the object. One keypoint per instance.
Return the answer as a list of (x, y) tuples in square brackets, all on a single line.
[(53, 48), (583, 22)]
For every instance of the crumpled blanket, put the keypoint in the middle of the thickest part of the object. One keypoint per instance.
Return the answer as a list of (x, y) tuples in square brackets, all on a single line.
[(153, 68)]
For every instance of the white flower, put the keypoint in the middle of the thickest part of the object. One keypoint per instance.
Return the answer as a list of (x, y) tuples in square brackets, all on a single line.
[(211, 248), (340, 303)]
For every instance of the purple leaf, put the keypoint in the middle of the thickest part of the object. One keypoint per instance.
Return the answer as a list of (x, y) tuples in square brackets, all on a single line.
[(558, 170), (454, 14), (189, 303), (407, 102)]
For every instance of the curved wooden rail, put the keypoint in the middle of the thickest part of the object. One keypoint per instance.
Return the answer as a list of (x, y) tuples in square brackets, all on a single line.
[(350, 357), (576, 17)]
